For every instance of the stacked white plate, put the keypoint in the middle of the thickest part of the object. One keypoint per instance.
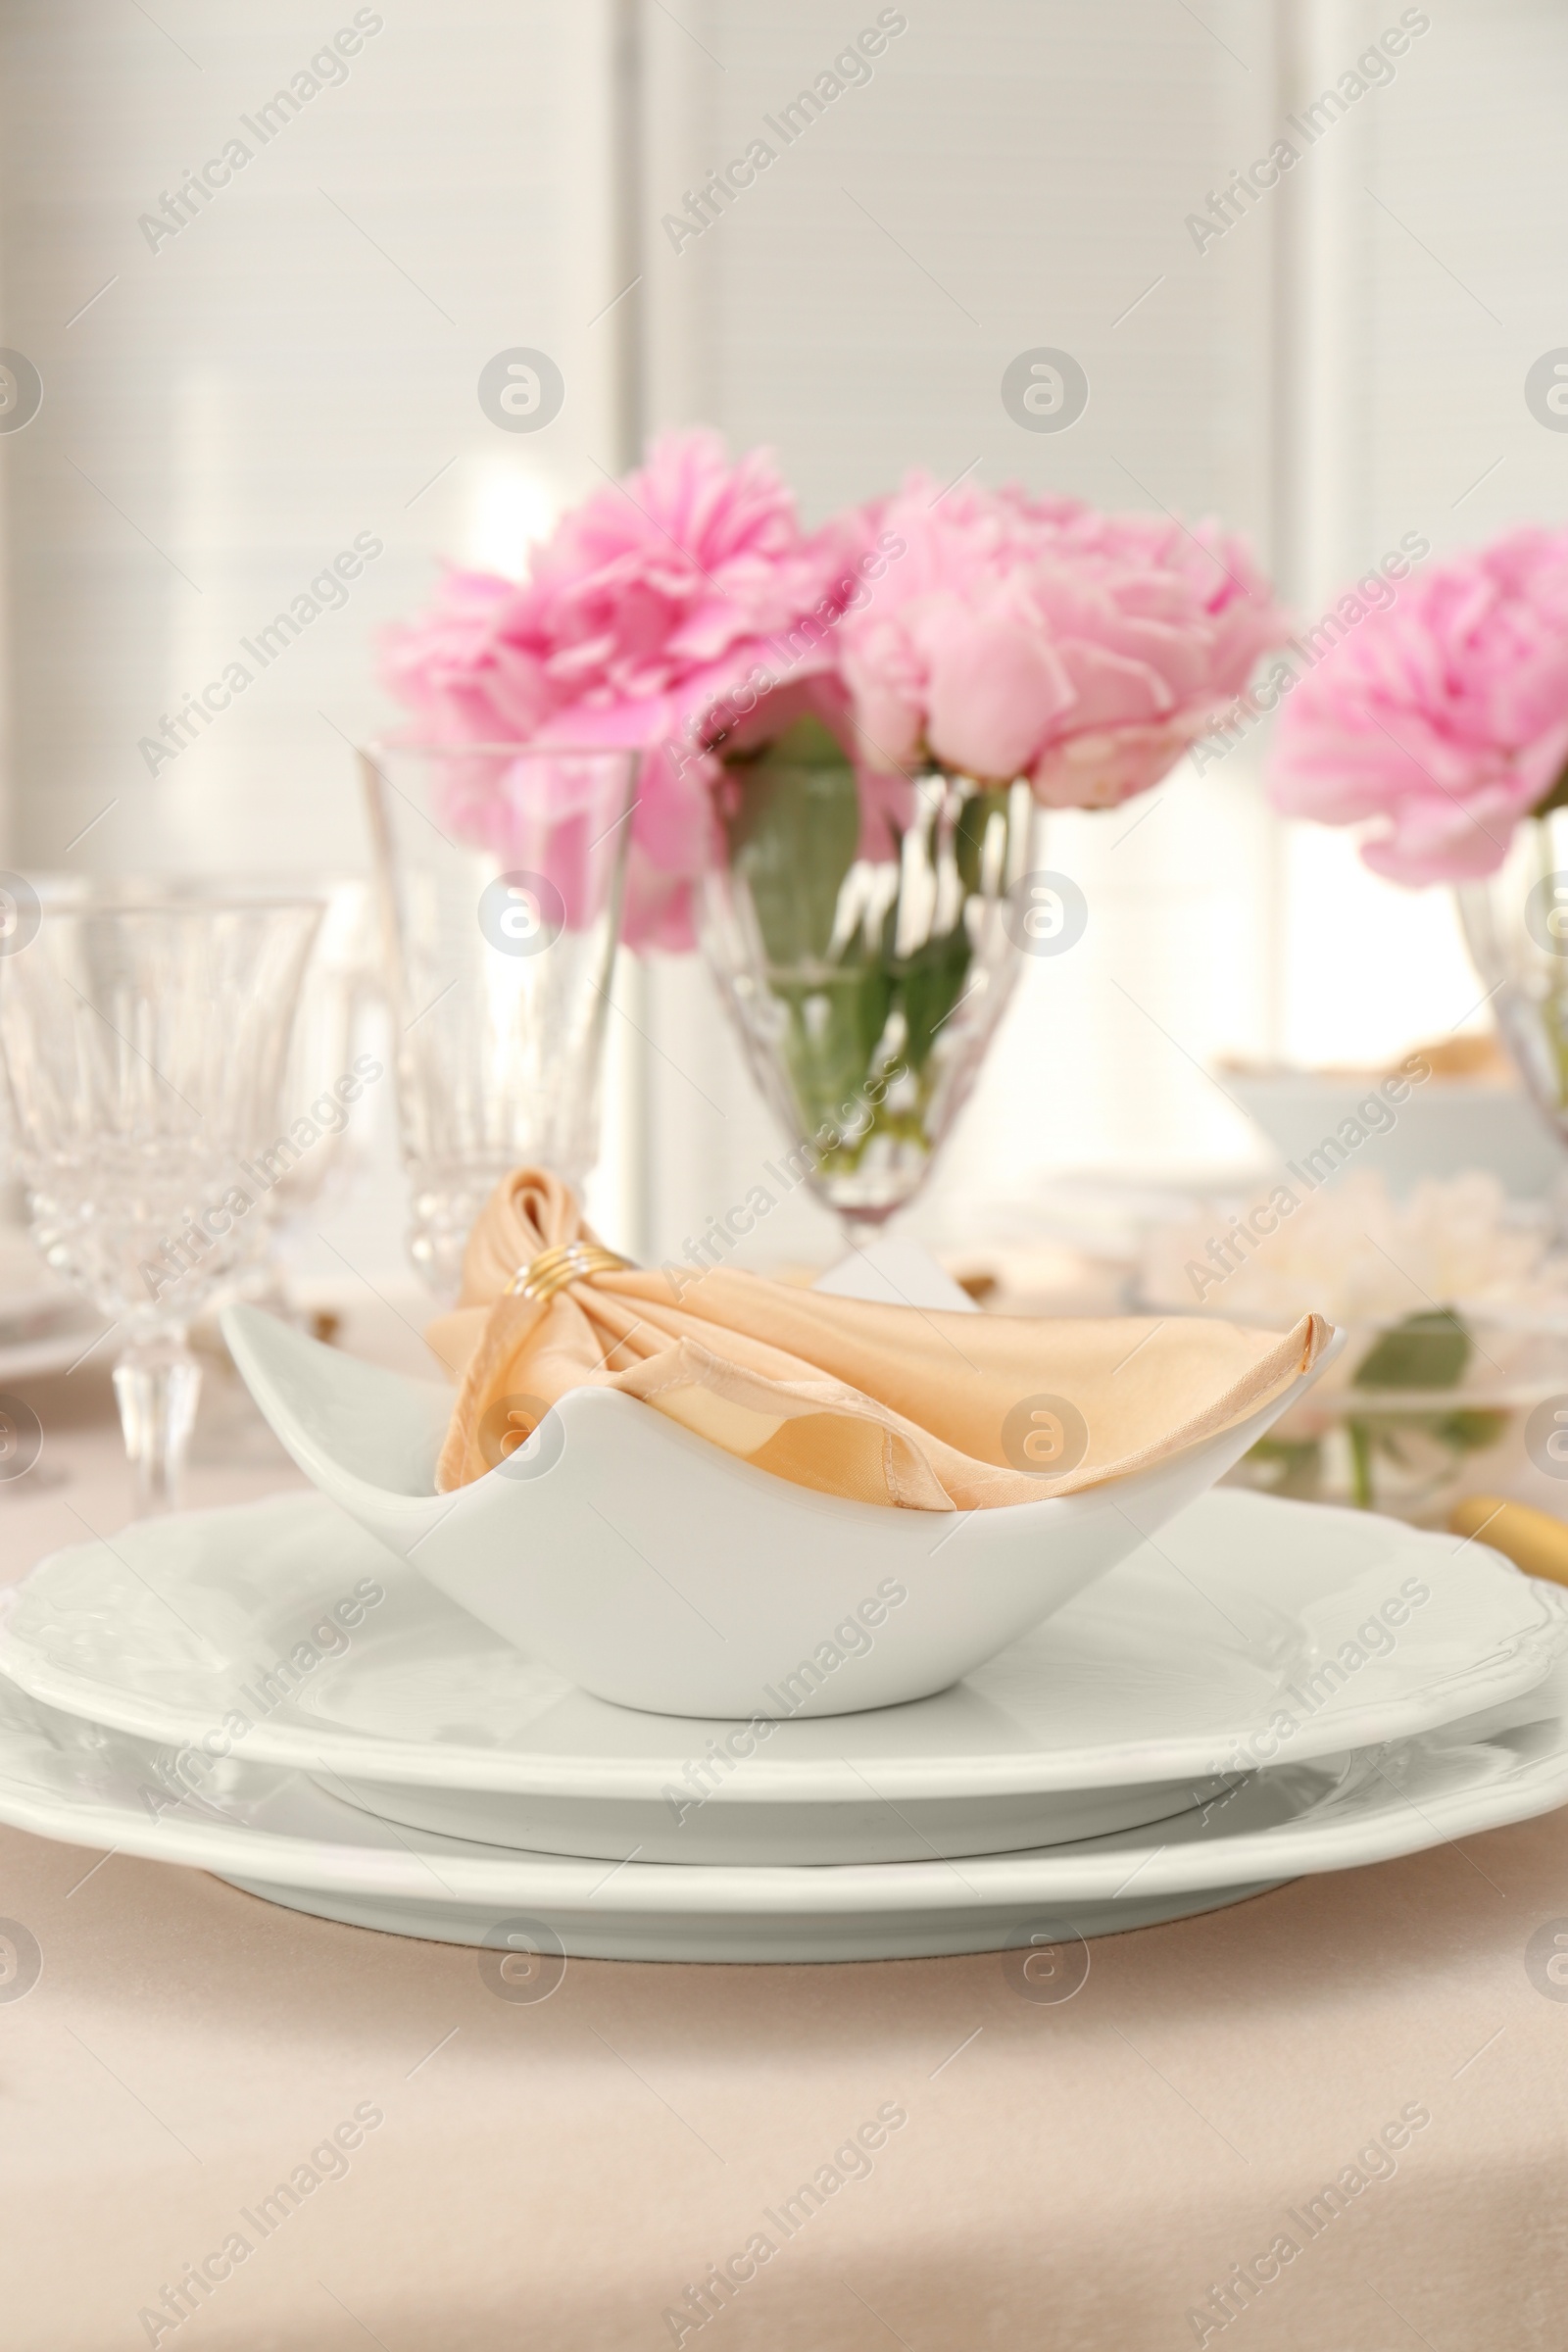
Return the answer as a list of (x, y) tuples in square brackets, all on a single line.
[(1263, 1690)]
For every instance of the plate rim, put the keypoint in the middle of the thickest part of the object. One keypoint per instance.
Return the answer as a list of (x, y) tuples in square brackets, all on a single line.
[(761, 1779), (1301, 1846)]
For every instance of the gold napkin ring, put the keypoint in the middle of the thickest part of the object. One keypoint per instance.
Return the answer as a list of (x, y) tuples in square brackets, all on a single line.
[(553, 1269)]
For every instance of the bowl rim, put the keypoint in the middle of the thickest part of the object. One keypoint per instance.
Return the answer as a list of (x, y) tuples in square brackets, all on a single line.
[(773, 1492)]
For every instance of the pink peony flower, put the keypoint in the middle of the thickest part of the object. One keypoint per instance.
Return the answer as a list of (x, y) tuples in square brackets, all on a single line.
[(1021, 636), (1444, 715), (647, 604)]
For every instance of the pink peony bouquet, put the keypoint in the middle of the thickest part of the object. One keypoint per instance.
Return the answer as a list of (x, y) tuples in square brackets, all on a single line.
[(685, 613), (1444, 717)]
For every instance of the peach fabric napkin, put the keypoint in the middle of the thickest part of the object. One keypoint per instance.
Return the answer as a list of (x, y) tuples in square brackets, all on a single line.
[(885, 1404)]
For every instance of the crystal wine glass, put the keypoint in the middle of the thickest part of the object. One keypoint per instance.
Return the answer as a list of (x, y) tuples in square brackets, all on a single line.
[(867, 956), (144, 1046), (339, 986), (501, 870)]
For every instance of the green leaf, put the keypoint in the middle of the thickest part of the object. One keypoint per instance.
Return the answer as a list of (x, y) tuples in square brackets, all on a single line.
[(793, 830), (808, 742), (1427, 1351), (927, 986)]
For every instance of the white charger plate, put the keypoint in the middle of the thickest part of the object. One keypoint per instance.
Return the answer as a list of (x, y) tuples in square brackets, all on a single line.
[(274, 1832), (1215, 1648)]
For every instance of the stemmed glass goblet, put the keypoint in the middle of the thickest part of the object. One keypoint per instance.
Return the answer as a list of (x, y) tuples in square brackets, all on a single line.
[(143, 1048)]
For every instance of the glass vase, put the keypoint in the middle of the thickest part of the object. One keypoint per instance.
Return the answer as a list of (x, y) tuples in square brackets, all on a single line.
[(1516, 928), (865, 948)]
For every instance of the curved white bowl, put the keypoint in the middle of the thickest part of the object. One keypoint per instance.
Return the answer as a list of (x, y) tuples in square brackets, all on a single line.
[(660, 1571)]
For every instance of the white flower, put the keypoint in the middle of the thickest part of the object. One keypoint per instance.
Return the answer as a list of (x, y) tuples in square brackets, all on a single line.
[(1352, 1253)]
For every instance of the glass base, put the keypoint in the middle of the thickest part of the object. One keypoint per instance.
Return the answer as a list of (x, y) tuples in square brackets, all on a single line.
[(860, 1227), (157, 1385)]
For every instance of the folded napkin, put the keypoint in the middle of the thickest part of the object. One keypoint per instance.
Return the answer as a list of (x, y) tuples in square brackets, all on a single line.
[(886, 1404)]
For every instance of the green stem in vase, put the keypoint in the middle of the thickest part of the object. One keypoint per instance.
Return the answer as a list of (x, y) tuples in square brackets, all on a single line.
[(859, 1010)]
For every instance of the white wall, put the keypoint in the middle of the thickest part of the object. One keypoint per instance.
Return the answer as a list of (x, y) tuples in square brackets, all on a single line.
[(289, 370)]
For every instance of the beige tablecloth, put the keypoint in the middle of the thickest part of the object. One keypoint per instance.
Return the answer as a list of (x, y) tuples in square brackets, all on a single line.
[(1069, 2178)]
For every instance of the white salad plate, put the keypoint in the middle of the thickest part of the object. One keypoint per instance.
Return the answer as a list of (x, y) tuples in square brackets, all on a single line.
[(654, 1568), (276, 1833), (1250, 1632)]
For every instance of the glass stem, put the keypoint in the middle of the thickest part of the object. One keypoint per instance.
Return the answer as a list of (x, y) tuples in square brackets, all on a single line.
[(157, 1383)]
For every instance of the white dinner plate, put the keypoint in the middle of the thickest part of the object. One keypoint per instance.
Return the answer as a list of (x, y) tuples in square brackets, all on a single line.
[(1250, 1631), (276, 1833)]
